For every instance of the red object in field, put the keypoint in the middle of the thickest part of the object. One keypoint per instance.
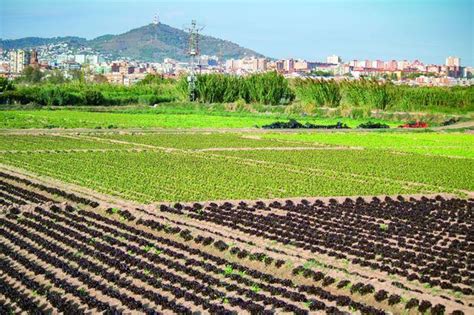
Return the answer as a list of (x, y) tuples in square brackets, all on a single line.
[(418, 124)]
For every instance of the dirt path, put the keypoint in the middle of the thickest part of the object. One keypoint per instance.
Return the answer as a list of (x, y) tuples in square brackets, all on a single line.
[(39, 131), (467, 124), (278, 149)]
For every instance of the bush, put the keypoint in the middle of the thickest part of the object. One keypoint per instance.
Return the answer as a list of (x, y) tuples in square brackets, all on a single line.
[(93, 97), (6, 85)]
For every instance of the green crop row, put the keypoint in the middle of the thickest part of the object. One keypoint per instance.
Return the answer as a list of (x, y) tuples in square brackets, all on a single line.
[(177, 176), (364, 165), (42, 142), (428, 143), (444, 173), (205, 140)]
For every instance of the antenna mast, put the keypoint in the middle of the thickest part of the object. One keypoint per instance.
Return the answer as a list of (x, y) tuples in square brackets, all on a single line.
[(193, 53), (156, 22)]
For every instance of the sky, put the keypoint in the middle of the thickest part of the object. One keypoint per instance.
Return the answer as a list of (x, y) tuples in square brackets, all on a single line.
[(427, 30)]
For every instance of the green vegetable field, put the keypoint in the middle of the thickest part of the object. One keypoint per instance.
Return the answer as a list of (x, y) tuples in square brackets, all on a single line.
[(197, 166)]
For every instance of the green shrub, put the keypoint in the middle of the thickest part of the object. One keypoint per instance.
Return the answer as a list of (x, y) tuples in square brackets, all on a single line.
[(92, 97)]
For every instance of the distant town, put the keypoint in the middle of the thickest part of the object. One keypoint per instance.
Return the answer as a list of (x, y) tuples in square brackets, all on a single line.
[(102, 68)]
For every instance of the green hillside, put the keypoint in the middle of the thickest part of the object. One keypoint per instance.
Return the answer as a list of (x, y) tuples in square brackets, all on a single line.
[(147, 43)]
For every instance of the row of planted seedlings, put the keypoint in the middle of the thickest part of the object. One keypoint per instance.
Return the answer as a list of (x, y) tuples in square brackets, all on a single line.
[(207, 241), (393, 300), (203, 276), (394, 233), (255, 288), (432, 233), (11, 195), (368, 240), (34, 189)]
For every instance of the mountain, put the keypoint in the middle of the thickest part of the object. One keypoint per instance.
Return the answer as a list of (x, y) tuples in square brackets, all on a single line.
[(156, 42), (147, 43)]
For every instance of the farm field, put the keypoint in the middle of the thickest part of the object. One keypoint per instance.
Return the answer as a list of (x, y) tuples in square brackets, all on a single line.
[(201, 166), (64, 253), (236, 222), (138, 118)]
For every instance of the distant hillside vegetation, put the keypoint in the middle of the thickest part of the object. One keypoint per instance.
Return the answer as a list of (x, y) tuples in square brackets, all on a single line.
[(31, 42), (147, 43), (156, 42)]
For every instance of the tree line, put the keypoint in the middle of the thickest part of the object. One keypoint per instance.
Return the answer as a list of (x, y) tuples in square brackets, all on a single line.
[(268, 88)]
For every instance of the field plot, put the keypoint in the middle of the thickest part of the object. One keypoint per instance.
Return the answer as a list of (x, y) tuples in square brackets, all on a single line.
[(363, 256), (454, 145), (65, 251), (196, 166), (168, 117)]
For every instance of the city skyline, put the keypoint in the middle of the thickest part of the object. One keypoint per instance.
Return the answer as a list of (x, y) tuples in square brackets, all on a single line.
[(353, 30)]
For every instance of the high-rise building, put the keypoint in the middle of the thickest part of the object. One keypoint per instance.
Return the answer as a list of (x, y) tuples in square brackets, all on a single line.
[(453, 61), (19, 59), (289, 65), (333, 59)]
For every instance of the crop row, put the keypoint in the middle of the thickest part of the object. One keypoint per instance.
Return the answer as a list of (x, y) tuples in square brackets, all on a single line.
[(33, 197), (191, 141), (172, 176), (101, 246), (444, 173), (46, 142), (444, 144), (427, 240)]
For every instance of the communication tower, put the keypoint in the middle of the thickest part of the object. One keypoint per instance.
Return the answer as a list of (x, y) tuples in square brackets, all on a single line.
[(193, 53), (156, 20)]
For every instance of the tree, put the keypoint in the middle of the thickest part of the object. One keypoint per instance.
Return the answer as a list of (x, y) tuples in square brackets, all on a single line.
[(32, 75), (6, 85), (56, 77)]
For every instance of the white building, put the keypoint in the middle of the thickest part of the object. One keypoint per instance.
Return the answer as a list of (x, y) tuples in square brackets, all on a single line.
[(333, 59), (19, 59), (453, 61)]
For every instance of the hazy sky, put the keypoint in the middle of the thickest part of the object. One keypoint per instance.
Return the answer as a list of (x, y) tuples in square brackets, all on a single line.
[(429, 30)]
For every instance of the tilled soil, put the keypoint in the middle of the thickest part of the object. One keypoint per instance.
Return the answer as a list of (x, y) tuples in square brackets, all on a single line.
[(236, 284)]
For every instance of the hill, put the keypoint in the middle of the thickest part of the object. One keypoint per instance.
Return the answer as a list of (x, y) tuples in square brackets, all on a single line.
[(147, 43), (156, 42), (30, 42)]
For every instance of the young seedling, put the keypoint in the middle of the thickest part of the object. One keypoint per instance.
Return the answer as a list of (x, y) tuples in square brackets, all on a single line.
[(82, 291), (147, 248), (115, 210), (255, 288), (241, 273), (228, 270), (383, 227)]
